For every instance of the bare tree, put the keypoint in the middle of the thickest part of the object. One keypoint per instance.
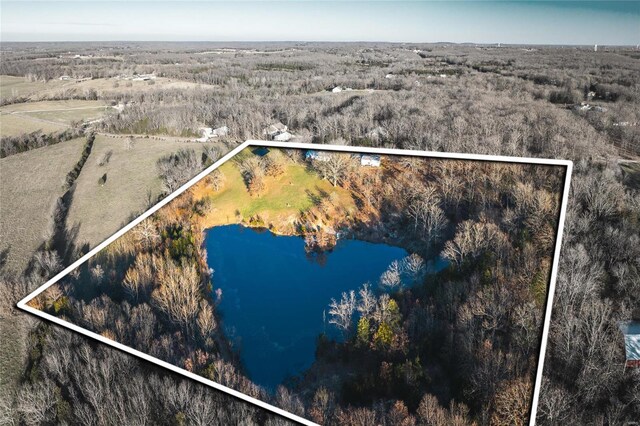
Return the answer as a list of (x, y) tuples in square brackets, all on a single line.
[(334, 166), (367, 300), (342, 312)]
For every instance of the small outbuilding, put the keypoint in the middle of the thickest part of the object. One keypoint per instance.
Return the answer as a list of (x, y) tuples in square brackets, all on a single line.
[(370, 160), (631, 333), (312, 155)]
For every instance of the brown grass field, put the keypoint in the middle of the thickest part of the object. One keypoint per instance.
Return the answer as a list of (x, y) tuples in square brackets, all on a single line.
[(47, 116), (30, 182), (12, 87), (132, 184), (14, 125)]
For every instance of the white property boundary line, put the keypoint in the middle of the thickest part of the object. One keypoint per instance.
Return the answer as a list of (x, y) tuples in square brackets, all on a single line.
[(258, 143)]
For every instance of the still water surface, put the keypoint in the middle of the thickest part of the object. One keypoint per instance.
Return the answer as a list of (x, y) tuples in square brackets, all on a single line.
[(274, 295)]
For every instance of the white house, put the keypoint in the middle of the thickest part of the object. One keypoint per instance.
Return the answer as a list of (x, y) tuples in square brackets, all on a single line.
[(370, 160), (206, 133), (220, 131), (283, 137), (275, 129)]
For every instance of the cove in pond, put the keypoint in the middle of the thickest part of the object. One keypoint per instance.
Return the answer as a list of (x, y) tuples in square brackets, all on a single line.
[(274, 295)]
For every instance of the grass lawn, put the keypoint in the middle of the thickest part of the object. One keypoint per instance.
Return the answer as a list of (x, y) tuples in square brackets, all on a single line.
[(132, 183), (296, 190), (30, 182)]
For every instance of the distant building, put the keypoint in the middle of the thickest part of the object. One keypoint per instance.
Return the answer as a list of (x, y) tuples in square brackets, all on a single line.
[(275, 129), (312, 155), (144, 77), (283, 137), (220, 131), (631, 332), (205, 134), (370, 160)]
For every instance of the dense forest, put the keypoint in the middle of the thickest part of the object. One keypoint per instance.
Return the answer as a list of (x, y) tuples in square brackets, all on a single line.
[(512, 101)]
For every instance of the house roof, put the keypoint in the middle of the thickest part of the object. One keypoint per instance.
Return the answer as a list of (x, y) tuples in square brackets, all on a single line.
[(631, 332)]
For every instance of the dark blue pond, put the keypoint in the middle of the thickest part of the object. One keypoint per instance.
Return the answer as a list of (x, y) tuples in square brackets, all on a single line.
[(274, 295)]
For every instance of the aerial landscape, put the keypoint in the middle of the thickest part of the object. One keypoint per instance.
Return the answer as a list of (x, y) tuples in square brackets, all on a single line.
[(300, 276), (346, 288)]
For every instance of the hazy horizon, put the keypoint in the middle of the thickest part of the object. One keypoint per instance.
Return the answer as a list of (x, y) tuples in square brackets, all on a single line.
[(476, 22)]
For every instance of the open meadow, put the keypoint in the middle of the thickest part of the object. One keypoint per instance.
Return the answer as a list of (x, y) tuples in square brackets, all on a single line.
[(30, 183), (18, 87), (285, 196), (131, 185), (47, 116)]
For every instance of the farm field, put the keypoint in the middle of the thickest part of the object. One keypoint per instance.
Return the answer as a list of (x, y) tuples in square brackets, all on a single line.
[(15, 124), (132, 184), (108, 87), (47, 116), (12, 87), (30, 182)]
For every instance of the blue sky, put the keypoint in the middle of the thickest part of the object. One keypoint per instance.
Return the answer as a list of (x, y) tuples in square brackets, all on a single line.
[(533, 22)]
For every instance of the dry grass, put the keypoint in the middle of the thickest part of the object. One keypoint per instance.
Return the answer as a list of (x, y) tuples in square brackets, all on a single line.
[(14, 125), (11, 87), (30, 182), (47, 116), (132, 184), (111, 86)]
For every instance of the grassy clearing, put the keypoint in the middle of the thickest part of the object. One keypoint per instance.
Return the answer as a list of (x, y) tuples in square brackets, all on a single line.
[(131, 185), (47, 116), (30, 182), (13, 87), (285, 196), (111, 86), (631, 171), (15, 125)]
